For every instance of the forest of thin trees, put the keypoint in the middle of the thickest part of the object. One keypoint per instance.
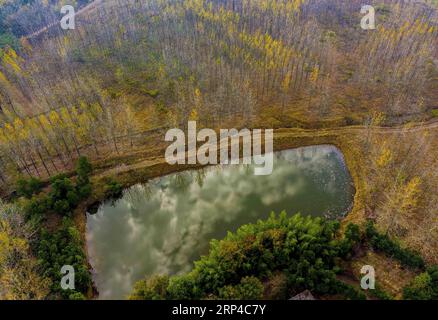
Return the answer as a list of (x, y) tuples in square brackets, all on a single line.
[(133, 65), (400, 186)]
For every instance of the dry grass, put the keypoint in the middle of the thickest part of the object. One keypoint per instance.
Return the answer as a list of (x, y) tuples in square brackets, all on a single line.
[(390, 275)]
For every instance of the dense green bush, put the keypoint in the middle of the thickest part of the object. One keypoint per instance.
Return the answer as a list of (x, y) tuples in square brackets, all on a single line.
[(113, 190), (380, 294), (36, 207), (83, 171), (249, 288), (63, 197), (433, 272), (352, 238), (303, 248), (84, 191), (382, 242), (352, 233), (76, 296), (348, 291), (154, 288), (8, 39), (183, 288), (424, 286), (27, 188), (63, 247)]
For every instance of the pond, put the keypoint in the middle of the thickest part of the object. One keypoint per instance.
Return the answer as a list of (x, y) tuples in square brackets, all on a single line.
[(162, 226)]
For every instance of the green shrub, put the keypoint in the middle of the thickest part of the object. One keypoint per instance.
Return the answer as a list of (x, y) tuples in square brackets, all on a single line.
[(83, 185), (63, 196), (349, 292), (433, 272), (154, 288), (60, 187), (420, 288), (36, 207), (380, 294), (152, 93), (183, 288), (352, 233), (8, 39), (83, 171), (382, 242), (249, 288), (73, 198), (27, 188), (60, 176), (61, 207), (63, 247), (76, 296), (424, 286), (113, 190), (84, 191), (352, 238), (435, 113)]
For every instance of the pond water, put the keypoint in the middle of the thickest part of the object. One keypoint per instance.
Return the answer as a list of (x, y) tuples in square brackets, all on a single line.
[(166, 224)]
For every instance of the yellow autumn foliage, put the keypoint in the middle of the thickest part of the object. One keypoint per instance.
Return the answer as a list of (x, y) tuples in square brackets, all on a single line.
[(194, 115), (19, 278), (410, 194), (385, 158)]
